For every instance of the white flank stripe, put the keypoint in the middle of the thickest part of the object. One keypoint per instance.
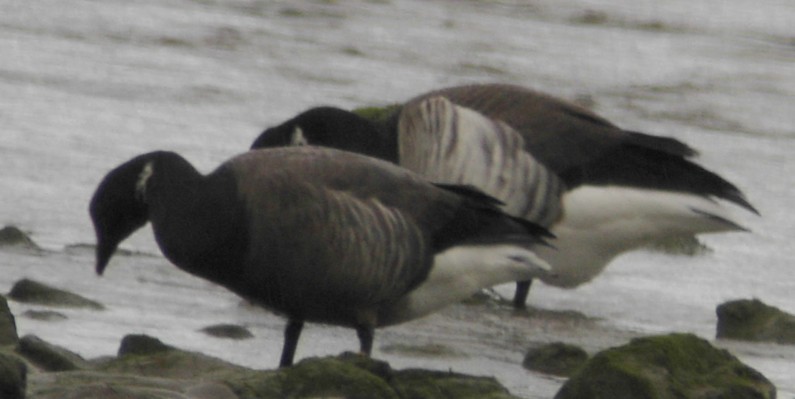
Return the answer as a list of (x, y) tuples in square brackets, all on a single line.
[(460, 272), (602, 222)]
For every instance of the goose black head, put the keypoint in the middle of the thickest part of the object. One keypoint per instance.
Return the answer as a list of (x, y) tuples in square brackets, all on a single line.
[(334, 128), (118, 207)]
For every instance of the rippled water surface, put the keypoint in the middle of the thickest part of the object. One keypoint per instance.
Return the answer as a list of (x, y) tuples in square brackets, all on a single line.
[(88, 84)]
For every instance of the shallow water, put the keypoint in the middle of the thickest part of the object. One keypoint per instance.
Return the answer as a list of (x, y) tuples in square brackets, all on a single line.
[(89, 85)]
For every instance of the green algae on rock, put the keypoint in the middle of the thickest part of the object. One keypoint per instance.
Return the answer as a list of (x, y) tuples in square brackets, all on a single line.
[(13, 376), (680, 366), (416, 383), (353, 376), (30, 291), (377, 113), (753, 320), (49, 357), (146, 368), (557, 358), (147, 356)]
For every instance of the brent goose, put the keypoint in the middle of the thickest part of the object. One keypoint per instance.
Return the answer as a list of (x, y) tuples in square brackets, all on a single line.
[(318, 235), (602, 190)]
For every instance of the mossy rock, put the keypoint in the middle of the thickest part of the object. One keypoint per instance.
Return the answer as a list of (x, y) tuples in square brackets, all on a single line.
[(89, 384), (427, 384), (30, 291), (8, 325), (13, 377), (333, 377), (353, 376), (675, 366), (377, 114), (343, 376), (147, 356), (49, 357), (148, 369), (557, 358), (753, 320)]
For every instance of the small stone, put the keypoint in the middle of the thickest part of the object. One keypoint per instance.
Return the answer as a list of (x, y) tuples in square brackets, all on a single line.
[(30, 291), (557, 358), (753, 320), (230, 331), (44, 315), (13, 236)]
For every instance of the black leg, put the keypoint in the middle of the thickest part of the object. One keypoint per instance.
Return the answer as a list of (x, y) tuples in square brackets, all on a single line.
[(365, 334), (291, 334), (522, 290)]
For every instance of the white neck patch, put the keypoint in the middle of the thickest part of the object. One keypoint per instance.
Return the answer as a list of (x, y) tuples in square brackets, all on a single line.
[(143, 177), (298, 138)]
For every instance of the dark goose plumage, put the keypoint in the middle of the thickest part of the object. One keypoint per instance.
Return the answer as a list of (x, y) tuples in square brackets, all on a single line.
[(601, 189), (318, 235)]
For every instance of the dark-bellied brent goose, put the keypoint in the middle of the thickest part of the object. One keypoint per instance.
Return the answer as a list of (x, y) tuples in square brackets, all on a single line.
[(602, 190), (318, 235)]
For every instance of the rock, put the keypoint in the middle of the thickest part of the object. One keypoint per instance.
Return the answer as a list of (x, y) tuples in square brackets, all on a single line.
[(49, 357), (137, 344), (44, 315), (210, 390), (13, 376), (12, 236), (81, 248), (100, 385), (680, 366), (423, 350), (230, 331), (329, 377), (30, 291), (441, 384), (556, 358), (8, 325), (752, 320), (142, 355), (353, 376), (149, 369)]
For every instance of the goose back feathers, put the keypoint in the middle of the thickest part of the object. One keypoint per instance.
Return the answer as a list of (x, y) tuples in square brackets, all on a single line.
[(583, 148)]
